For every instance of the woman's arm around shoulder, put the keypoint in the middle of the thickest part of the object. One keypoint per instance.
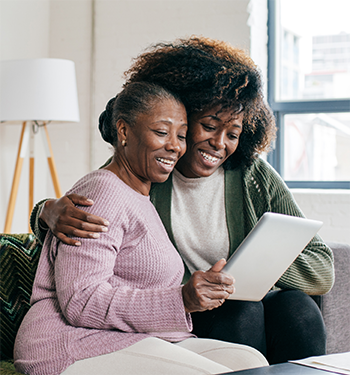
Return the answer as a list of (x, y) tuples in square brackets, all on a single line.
[(64, 219)]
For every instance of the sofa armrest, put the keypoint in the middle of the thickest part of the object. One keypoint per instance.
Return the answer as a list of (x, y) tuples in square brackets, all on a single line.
[(335, 305), (8, 368), (19, 257)]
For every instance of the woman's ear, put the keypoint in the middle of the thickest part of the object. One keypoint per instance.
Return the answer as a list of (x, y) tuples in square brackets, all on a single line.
[(122, 129)]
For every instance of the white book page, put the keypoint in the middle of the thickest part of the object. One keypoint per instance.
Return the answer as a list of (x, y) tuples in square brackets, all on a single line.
[(338, 363)]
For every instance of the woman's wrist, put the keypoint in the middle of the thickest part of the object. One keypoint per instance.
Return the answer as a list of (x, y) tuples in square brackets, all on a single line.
[(42, 222)]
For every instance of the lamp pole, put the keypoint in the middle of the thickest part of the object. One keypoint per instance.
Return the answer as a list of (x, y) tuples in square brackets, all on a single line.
[(28, 138)]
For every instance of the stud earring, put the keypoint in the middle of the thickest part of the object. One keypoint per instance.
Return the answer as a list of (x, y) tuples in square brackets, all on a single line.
[(123, 142)]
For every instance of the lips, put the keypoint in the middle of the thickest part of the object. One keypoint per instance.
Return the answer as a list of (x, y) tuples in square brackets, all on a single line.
[(169, 162), (210, 158), (166, 164)]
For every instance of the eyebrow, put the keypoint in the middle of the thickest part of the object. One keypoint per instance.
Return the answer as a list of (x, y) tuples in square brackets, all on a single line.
[(216, 118), (168, 122), (212, 116)]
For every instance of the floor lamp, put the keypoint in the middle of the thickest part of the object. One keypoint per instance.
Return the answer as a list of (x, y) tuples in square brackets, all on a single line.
[(36, 92)]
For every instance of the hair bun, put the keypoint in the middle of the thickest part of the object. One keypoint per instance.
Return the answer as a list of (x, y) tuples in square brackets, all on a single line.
[(104, 122)]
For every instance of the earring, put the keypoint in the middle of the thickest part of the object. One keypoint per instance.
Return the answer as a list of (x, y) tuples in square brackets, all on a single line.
[(123, 142)]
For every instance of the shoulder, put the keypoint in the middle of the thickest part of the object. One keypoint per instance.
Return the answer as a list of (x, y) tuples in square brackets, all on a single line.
[(265, 186), (110, 195), (98, 183), (260, 171), (261, 167), (263, 173)]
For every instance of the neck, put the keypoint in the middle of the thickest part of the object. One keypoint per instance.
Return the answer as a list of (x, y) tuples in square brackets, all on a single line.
[(181, 168), (122, 169)]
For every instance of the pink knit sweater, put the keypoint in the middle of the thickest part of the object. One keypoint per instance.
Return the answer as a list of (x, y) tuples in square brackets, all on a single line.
[(108, 293)]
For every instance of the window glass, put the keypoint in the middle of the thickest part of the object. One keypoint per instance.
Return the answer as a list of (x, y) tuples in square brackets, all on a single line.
[(317, 147), (313, 52)]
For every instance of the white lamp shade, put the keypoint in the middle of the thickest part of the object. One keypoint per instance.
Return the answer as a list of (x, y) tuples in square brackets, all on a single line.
[(38, 89)]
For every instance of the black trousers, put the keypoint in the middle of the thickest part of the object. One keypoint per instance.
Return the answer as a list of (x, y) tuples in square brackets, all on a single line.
[(285, 325)]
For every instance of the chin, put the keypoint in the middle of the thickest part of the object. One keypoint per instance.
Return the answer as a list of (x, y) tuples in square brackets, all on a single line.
[(160, 179), (206, 173)]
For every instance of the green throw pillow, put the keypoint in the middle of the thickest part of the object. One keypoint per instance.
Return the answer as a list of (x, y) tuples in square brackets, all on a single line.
[(8, 368), (19, 256)]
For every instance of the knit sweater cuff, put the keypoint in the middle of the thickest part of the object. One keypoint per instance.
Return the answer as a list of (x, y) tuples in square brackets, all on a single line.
[(38, 230)]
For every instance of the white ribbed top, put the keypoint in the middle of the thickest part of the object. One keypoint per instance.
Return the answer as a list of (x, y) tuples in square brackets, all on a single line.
[(198, 219)]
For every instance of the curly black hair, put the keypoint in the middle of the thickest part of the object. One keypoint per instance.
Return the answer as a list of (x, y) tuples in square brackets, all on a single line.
[(206, 72)]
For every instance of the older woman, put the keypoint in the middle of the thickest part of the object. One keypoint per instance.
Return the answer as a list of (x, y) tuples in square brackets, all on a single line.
[(121, 296), (216, 195)]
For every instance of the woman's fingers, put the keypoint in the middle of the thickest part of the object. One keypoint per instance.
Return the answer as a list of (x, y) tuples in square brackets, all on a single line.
[(219, 279), (63, 232), (218, 266), (82, 221), (65, 219), (203, 303), (80, 200), (67, 240), (78, 228), (214, 291), (214, 274), (216, 303), (206, 290), (82, 215)]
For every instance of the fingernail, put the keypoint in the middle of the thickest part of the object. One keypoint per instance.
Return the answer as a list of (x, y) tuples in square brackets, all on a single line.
[(95, 235), (90, 200), (104, 229), (78, 244), (106, 223)]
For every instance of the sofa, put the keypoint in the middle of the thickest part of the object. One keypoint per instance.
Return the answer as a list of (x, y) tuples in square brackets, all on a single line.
[(19, 255)]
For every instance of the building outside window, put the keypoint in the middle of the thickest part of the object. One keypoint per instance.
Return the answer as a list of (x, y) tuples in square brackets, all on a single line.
[(309, 91)]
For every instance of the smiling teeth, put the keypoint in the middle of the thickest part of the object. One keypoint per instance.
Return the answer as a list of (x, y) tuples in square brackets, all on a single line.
[(209, 157), (166, 161)]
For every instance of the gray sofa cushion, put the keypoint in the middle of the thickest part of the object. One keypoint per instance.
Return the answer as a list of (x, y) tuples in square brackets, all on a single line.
[(335, 305)]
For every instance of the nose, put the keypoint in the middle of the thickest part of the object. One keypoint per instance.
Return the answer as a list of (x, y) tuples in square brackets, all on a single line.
[(173, 144), (217, 141)]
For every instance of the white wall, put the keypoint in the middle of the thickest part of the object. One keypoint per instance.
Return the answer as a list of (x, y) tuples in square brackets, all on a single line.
[(24, 33), (330, 206), (123, 29), (102, 37), (70, 38)]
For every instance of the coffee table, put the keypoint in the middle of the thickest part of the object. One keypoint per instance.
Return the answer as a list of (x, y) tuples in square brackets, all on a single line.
[(282, 369)]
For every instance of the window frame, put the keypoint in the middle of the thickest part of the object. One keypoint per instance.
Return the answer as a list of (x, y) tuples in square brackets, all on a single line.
[(282, 108)]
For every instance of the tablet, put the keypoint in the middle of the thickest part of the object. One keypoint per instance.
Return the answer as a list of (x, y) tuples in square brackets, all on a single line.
[(266, 253)]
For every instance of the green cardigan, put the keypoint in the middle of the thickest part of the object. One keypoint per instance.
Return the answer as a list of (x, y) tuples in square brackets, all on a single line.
[(249, 193)]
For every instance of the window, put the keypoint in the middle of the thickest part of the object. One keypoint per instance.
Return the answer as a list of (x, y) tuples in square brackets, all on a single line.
[(309, 91)]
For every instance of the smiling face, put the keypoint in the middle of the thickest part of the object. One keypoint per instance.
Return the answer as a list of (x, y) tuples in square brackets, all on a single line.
[(212, 137), (153, 144)]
